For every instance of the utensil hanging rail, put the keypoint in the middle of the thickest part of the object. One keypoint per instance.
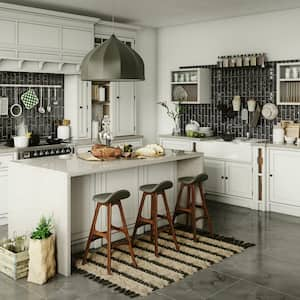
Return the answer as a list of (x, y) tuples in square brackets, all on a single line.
[(31, 85)]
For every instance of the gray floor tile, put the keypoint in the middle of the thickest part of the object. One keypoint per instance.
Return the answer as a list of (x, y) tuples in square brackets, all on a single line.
[(244, 290), (203, 283), (10, 290)]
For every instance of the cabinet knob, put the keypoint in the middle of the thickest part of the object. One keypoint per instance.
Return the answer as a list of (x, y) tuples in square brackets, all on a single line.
[(118, 97), (222, 177), (271, 175), (226, 178), (81, 107)]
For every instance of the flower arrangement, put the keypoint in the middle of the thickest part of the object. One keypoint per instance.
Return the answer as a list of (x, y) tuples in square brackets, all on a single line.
[(173, 114)]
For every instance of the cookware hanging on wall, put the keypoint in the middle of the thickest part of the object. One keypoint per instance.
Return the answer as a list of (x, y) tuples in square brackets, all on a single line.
[(16, 109)]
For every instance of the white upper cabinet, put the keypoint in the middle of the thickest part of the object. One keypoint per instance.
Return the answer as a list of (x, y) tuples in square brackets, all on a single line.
[(123, 108), (36, 35)]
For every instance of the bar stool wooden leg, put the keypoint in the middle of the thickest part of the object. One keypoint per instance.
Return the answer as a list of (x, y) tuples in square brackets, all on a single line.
[(109, 211), (170, 220), (188, 203), (193, 211), (126, 233), (209, 222), (91, 234), (154, 218), (137, 222), (178, 201)]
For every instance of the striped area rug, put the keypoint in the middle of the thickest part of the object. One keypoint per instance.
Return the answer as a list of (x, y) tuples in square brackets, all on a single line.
[(157, 272)]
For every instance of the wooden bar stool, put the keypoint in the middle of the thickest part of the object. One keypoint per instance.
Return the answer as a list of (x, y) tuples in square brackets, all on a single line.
[(108, 200), (154, 190), (190, 210)]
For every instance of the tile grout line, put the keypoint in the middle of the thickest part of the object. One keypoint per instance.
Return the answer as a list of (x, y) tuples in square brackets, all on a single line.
[(223, 289)]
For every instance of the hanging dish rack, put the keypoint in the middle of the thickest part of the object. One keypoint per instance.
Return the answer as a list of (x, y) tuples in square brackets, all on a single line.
[(31, 85)]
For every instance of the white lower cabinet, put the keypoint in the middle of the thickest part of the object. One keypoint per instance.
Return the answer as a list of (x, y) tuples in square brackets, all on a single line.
[(4, 195), (229, 178), (4, 159), (284, 179), (215, 170)]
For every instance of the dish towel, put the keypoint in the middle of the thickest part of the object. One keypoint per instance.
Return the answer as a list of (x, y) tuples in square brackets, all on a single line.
[(29, 99)]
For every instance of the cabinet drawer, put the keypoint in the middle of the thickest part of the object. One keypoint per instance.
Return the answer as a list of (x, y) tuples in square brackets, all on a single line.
[(226, 150), (177, 144)]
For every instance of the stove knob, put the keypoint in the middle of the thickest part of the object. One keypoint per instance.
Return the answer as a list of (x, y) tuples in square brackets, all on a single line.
[(35, 154), (62, 151), (46, 152), (52, 152), (57, 151), (41, 153)]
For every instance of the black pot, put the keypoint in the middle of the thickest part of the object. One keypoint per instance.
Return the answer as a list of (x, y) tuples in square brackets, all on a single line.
[(34, 140), (228, 137)]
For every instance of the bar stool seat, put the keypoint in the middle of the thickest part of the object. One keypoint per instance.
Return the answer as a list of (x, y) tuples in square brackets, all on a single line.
[(154, 190), (111, 197), (190, 182), (108, 200), (193, 179)]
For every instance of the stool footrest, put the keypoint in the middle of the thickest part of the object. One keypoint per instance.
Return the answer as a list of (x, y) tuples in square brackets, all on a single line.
[(100, 234), (145, 221), (117, 228), (162, 216), (182, 210)]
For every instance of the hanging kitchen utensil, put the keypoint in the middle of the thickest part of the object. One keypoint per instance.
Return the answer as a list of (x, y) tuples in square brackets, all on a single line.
[(49, 102), (256, 116), (16, 109), (55, 102), (29, 99), (244, 114), (41, 108)]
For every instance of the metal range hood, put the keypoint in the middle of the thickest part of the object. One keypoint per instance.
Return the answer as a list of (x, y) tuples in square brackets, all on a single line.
[(112, 61)]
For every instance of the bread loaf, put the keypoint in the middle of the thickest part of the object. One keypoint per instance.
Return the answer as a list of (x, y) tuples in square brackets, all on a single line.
[(104, 152)]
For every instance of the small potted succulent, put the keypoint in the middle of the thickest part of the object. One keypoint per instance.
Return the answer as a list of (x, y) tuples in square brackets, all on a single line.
[(42, 263)]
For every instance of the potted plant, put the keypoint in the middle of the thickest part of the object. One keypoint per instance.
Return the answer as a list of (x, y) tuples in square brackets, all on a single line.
[(42, 263), (174, 115)]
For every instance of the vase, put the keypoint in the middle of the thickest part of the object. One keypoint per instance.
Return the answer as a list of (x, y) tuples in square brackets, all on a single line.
[(42, 264), (176, 128)]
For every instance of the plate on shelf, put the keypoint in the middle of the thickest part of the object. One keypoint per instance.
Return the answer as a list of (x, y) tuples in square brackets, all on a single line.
[(269, 111), (179, 94)]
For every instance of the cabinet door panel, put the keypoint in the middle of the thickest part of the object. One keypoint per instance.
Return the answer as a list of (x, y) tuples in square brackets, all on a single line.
[(123, 102), (72, 36), (4, 193), (215, 171), (156, 174), (124, 179), (284, 183), (39, 36), (84, 117), (239, 179)]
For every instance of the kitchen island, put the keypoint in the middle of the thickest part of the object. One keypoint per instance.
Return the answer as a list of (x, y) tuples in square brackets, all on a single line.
[(63, 187)]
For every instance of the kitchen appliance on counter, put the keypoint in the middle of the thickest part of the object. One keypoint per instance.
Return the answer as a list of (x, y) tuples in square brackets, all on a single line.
[(278, 134), (45, 150)]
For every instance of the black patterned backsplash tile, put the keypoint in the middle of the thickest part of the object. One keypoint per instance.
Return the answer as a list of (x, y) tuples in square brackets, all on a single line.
[(248, 82), (42, 124)]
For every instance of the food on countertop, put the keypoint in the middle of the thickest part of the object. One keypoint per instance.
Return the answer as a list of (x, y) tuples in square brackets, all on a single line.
[(150, 150), (103, 152)]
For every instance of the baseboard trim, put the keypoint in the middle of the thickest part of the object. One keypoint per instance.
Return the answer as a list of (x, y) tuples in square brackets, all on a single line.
[(243, 202), (284, 209)]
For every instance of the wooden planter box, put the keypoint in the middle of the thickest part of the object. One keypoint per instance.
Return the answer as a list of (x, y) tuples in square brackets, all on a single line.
[(14, 265)]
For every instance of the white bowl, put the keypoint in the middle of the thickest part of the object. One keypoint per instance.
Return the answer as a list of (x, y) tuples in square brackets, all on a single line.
[(289, 139), (21, 141)]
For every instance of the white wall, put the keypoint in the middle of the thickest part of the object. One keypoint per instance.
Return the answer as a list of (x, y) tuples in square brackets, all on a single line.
[(276, 34), (146, 45)]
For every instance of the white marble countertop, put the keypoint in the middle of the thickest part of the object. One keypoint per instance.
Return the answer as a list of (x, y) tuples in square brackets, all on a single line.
[(5, 149), (74, 166)]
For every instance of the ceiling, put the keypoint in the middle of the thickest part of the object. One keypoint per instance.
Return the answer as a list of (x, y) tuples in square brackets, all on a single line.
[(159, 13)]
